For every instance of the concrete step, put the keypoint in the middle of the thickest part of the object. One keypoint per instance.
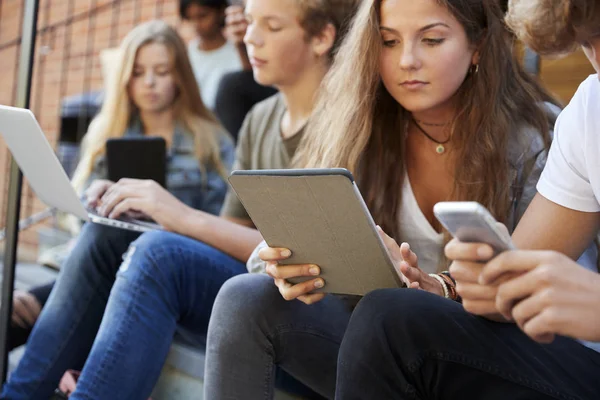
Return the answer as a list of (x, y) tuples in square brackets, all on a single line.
[(29, 275), (182, 376)]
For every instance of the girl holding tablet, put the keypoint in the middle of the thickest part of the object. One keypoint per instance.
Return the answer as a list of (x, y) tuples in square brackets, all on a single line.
[(426, 102)]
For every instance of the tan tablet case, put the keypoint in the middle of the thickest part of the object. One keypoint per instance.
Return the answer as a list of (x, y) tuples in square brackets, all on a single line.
[(323, 220)]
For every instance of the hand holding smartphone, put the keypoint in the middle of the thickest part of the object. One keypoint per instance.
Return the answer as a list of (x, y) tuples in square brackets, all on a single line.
[(470, 222)]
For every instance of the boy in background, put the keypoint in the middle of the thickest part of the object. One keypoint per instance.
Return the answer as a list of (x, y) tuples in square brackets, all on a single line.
[(211, 55)]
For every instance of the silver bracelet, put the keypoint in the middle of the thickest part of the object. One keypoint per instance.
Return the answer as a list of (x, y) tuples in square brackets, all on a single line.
[(443, 283)]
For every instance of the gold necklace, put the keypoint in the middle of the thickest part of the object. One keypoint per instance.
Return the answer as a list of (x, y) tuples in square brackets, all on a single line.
[(440, 148)]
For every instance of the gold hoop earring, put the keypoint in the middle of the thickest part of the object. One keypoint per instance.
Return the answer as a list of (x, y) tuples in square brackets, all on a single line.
[(474, 69)]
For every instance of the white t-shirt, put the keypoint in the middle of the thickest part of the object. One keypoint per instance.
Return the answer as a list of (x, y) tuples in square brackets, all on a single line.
[(416, 230), (572, 174), (210, 66)]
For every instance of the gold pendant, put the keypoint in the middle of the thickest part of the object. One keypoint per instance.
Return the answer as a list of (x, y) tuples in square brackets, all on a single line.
[(440, 149)]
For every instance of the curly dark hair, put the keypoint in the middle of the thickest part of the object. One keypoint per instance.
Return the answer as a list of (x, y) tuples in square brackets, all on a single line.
[(554, 27), (184, 4)]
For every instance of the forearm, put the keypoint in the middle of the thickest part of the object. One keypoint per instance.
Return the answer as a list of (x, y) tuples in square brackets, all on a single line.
[(229, 237), (549, 226)]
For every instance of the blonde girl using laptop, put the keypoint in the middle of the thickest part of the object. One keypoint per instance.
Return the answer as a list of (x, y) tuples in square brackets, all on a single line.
[(152, 92)]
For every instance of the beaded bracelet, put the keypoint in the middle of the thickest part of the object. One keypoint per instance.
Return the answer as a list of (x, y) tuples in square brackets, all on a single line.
[(447, 273), (456, 297), (451, 286), (443, 283)]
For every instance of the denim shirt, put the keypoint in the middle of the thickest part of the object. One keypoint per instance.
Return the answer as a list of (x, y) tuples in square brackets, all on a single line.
[(184, 179)]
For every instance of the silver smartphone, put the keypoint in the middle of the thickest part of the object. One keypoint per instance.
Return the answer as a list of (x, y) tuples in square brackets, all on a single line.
[(470, 222)]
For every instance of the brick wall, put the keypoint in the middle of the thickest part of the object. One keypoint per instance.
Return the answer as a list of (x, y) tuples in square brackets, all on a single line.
[(71, 34)]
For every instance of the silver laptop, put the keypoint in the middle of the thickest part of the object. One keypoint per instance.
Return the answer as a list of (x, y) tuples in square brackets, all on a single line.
[(46, 176)]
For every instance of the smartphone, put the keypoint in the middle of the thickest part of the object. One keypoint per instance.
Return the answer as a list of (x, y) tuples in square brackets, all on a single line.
[(470, 222)]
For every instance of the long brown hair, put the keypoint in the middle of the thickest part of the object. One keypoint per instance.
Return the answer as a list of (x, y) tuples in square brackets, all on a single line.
[(358, 125)]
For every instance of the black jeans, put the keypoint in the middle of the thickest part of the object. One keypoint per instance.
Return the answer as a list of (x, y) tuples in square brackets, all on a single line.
[(409, 344)]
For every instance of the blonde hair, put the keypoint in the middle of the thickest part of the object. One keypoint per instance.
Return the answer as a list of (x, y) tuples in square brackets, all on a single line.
[(117, 109), (554, 27), (358, 125)]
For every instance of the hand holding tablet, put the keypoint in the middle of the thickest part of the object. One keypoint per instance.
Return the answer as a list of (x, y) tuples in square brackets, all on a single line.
[(320, 216)]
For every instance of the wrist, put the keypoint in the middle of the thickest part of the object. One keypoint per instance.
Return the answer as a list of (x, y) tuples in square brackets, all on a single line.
[(441, 285), (187, 220), (451, 282)]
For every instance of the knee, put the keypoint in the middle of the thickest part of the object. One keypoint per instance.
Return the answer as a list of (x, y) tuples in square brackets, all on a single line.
[(373, 313), (378, 319), (157, 253), (99, 235), (97, 251), (155, 241), (246, 294), (405, 305), (242, 301), (98, 230), (404, 314)]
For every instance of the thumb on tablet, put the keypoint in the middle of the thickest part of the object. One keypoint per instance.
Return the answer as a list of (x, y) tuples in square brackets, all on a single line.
[(408, 255), (274, 254), (390, 244)]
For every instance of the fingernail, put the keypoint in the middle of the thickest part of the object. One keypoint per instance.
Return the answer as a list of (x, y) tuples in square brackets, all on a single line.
[(319, 284), (285, 253), (484, 252), (314, 270)]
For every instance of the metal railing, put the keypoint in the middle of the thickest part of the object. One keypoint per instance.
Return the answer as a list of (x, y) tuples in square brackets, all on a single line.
[(31, 45)]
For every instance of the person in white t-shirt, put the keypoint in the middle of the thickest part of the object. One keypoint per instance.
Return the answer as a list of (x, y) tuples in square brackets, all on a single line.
[(548, 346), (211, 55)]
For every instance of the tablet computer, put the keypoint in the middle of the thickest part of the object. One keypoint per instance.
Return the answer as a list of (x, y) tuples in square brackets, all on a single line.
[(321, 217), (142, 157)]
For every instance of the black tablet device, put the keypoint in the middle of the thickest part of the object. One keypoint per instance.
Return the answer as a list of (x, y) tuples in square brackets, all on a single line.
[(137, 158)]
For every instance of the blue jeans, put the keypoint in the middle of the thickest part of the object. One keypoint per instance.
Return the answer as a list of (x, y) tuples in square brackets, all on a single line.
[(67, 326), (165, 280), (253, 330), (408, 344)]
